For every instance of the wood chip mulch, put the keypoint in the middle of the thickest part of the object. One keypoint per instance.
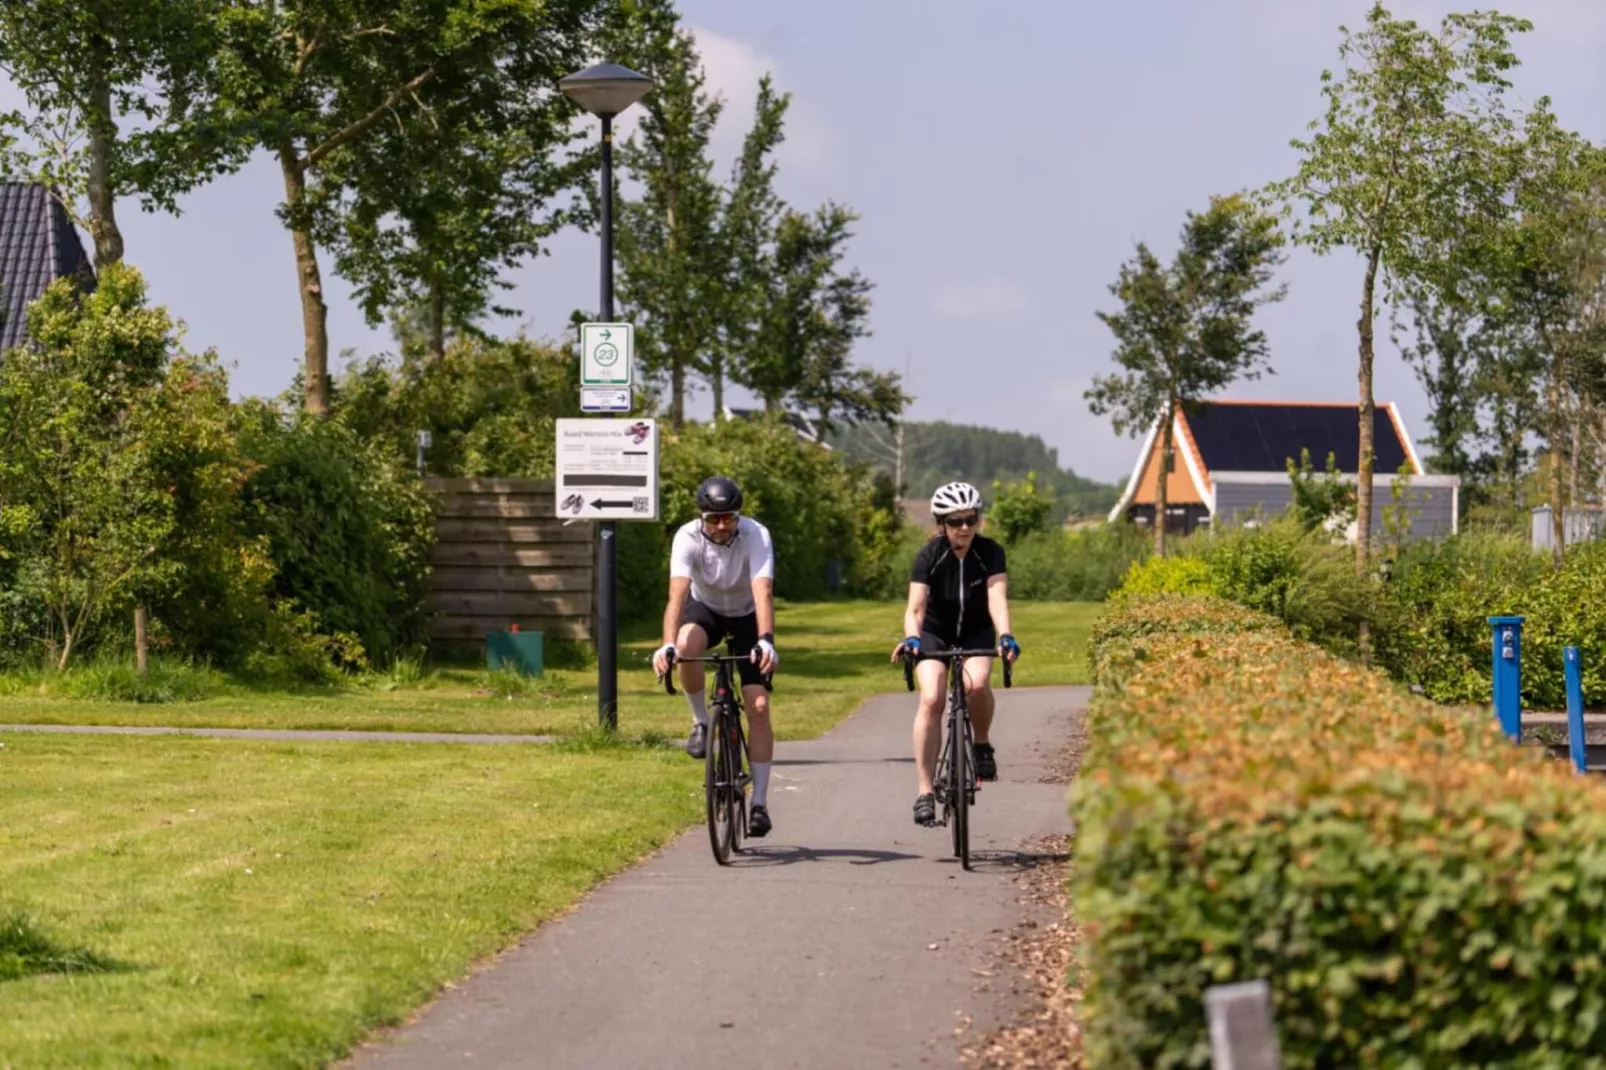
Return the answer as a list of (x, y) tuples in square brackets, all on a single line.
[(1041, 950)]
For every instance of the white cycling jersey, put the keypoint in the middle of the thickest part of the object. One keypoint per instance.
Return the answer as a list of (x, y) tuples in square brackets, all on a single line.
[(722, 576)]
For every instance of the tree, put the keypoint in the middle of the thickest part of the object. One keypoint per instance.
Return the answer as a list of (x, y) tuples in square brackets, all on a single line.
[(84, 66), (425, 219), (1403, 169), (1186, 330), (309, 82), (1549, 276), (672, 267), (99, 428), (747, 224)]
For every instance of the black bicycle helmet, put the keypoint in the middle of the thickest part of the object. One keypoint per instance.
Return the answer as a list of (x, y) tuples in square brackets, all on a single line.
[(719, 495)]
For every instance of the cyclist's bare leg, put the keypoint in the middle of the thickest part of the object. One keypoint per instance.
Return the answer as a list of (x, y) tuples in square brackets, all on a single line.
[(760, 733), (979, 695), (928, 720), (690, 643), (760, 750)]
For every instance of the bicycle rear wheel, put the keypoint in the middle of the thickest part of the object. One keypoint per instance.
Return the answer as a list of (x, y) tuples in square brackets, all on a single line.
[(717, 787)]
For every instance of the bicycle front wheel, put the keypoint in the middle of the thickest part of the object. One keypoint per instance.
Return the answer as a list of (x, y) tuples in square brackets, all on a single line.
[(718, 787), (960, 786)]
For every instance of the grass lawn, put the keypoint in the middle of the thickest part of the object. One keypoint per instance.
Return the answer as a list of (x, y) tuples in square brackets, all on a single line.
[(256, 904), (215, 902), (833, 655)]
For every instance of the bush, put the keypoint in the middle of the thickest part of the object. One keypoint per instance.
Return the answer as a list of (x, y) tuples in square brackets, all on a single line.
[(1438, 599), (1020, 509), (1416, 890), (821, 512), (1077, 566), (1169, 575), (348, 535)]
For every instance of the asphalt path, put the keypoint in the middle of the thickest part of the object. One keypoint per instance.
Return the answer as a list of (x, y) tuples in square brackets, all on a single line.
[(849, 937)]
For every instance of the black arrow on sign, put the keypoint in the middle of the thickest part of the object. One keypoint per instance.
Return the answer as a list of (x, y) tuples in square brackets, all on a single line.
[(600, 504)]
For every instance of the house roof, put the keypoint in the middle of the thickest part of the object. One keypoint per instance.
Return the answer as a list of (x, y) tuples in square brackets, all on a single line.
[(38, 244), (1252, 441), (1256, 436)]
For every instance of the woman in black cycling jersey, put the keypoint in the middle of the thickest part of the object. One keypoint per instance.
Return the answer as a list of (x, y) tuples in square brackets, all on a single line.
[(958, 599)]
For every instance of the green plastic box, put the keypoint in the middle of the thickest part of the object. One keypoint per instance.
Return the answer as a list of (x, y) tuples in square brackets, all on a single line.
[(524, 652)]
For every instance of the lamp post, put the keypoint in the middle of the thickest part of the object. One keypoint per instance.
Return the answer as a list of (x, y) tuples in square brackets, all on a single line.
[(605, 90)]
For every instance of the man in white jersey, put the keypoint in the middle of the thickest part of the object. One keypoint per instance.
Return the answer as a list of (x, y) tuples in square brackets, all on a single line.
[(722, 587)]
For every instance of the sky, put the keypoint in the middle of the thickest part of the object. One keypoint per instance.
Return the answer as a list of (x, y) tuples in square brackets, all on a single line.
[(1004, 160)]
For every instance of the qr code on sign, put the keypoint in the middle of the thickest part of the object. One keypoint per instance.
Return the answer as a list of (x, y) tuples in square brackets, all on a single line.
[(639, 505)]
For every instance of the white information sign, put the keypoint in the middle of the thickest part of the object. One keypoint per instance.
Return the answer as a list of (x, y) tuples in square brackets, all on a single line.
[(607, 351), (607, 470), (604, 399)]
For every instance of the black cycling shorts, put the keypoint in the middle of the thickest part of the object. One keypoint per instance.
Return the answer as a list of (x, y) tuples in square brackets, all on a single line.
[(742, 633)]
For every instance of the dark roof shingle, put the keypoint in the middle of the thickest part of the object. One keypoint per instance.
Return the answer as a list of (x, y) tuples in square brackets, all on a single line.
[(1261, 437), (38, 244)]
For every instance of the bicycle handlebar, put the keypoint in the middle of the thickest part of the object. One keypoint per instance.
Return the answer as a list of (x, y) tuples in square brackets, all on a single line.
[(668, 677), (909, 660)]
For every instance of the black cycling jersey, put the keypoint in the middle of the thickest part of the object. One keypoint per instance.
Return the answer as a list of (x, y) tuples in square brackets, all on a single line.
[(957, 605)]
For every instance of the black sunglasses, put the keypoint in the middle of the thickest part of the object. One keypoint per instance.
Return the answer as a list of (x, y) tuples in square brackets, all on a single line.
[(969, 521)]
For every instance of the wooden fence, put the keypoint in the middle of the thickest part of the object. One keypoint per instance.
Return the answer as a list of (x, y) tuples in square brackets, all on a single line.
[(502, 557)]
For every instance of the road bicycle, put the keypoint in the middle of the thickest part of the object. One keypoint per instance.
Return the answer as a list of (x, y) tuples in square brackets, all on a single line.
[(726, 771), (957, 764)]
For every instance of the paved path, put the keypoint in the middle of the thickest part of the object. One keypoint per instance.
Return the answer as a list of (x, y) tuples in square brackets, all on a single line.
[(299, 735), (812, 952)]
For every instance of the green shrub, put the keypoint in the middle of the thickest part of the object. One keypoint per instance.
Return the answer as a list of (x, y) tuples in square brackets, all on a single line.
[(1417, 891), (1020, 508), (1300, 577), (1084, 565), (348, 535), (1169, 575), (1435, 607), (821, 512)]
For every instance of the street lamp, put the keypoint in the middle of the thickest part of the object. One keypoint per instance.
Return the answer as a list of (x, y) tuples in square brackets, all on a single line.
[(605, 90)]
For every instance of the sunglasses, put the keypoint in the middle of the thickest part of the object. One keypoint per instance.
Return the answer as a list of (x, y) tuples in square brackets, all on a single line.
[(969, 521), (720, 520)]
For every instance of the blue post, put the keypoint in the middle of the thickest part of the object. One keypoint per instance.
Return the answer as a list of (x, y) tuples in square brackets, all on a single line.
[(1575, 709), (1508, 675)]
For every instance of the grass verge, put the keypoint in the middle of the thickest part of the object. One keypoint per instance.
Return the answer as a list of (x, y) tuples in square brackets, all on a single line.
[(198, 902), (834, 655)]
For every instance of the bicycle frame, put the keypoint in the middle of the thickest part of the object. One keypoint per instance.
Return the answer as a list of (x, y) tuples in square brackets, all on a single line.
[(956, 762)]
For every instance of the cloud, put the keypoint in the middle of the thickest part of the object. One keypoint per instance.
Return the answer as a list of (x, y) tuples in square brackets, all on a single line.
[(732, 69), (986, 299)]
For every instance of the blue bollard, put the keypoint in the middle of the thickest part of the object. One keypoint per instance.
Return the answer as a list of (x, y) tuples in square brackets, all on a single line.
[(1508, 675), (1575, 709)]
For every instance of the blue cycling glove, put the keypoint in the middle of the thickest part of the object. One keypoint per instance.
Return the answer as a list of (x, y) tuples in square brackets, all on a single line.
[(912, 645), (1010, 646)]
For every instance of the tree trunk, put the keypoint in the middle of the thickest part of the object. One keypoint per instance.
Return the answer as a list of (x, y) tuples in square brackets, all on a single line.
[(435, 337), (314, 313), (677, 392), (1558, 525), (1166, 420), (141, 645), (1367, 448), (716, 383), (1575, 455), (102, 136)]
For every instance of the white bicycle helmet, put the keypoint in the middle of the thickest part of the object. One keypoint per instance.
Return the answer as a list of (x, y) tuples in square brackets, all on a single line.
[(954, 498)]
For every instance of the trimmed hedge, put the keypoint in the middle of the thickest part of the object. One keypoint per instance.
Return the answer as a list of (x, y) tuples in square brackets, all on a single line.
[(1417, 891)]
